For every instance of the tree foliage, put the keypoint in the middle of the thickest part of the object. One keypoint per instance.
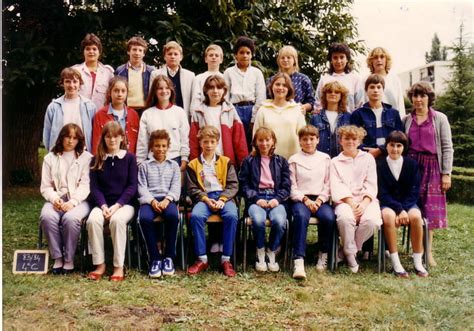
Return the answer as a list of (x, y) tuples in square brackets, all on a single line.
[(437, 52), (458, 102), (41, 37)]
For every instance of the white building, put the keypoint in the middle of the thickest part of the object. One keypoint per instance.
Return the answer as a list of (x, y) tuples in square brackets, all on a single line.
[(436, 73)]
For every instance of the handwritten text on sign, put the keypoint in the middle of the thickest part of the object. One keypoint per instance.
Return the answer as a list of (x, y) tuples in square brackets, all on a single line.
[(30, 261)]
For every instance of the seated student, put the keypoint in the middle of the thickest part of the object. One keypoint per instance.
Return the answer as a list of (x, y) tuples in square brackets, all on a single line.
[(282, 115), (137, 73), (309, 173), (68, 108), (163, 114), (113, 179), (245, 83), (215, 111), (332, 116), (399, 187), (213, 56), (182, 78), (212, 184), (96, 76), (265, 185), (65, 186), (117, 110), (159, 186), (353, 182), (377, 118), (339, 57)]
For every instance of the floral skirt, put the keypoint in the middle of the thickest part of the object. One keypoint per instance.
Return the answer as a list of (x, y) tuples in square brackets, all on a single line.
[(432, 199)]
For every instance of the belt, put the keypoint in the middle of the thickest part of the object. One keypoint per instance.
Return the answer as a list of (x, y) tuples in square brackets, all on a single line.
[(244, 103), (266, 190)]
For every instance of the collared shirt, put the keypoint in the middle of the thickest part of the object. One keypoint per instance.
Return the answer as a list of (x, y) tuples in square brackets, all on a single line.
[(422, 136), (122, 120), (209, 175), (351, 81)]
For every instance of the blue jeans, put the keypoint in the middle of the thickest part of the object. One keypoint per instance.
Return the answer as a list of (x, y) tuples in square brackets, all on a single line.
[(199, 216), (245, 114), (326, 227), (152, 229), (277, 217)]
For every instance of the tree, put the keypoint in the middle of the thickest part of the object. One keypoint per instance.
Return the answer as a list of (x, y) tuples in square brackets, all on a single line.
[(437, 52), (43, 36), (458, 101)]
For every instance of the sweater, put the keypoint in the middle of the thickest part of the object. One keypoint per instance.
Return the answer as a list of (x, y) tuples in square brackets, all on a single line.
[(158, 180)]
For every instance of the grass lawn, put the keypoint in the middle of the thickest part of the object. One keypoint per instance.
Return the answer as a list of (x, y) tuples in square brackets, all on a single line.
[(366, 300)]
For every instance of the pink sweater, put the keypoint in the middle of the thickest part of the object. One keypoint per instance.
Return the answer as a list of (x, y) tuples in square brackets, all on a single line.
[(309, 174), (353, 177)]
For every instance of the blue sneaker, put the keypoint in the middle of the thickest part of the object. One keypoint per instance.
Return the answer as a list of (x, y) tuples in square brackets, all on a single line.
[(168, 267), (155, 269)]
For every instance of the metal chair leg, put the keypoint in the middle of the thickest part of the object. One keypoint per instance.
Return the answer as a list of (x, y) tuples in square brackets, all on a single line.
[(181, 238), (425, 242), (244, 259), (408, 239), (381, 251), (39, 245)]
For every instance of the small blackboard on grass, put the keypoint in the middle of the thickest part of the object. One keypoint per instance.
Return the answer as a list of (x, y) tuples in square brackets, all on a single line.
[(30, 261)]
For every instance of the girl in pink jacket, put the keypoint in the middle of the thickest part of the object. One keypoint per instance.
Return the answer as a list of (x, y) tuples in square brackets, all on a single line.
[(353, 177)]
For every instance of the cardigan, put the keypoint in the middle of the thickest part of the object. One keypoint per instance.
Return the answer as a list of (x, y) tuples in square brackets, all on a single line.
[(402, 194), (103, 76)]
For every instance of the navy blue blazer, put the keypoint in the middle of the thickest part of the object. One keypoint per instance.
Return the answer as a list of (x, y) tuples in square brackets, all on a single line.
[(402, 194)]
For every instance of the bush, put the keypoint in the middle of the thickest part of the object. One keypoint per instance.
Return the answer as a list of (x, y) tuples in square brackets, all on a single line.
[(461, 190)]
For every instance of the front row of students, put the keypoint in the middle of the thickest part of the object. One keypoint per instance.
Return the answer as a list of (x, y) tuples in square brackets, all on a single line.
[(270, 185)]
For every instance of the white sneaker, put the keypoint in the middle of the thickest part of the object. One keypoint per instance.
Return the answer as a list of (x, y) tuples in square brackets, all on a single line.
[(298, 269), (322, 261), (214, 248), (272, 264)]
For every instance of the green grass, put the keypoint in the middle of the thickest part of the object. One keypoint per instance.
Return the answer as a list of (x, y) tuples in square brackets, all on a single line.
[(366, 300)]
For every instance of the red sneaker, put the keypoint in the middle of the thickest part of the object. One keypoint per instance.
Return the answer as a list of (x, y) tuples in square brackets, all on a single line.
[(228, 269), (197, 267)]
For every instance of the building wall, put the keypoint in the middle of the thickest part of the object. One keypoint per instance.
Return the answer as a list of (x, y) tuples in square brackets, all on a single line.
[(436, 73)]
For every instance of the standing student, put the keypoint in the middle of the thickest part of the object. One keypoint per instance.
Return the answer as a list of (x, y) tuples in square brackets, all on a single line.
[(137, 73), (162, 113), (96, 76), (353, 182), (332, 116), (68, 108), (339, 57), (117, 110), (113, 185), (379, 62), (246, 84), (213, 56), (398, 191), (309, 173), (65, 187), (159, 184), (265, 184), (212, 185), (282, 115), (431, 146), (287, 61), (182, 78)]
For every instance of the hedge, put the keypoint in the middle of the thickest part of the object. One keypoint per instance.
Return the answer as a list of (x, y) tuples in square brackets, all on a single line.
[(462, 189)]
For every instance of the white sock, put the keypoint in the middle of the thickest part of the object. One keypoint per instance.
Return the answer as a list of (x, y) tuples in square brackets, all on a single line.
[(68, 265), (271, 257), (58, 263), (417, 261), (351, 260), (203, 258), (225, 258), (397, 266), (261, 255)]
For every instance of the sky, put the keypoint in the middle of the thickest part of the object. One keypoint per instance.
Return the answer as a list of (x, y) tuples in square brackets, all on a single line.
[(406, 28)]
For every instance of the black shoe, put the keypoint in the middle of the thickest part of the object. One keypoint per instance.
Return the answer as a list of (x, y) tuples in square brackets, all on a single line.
[(68, 271), (57, 271)]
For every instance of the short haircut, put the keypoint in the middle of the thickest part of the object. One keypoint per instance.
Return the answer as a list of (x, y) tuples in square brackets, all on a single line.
[(172, 45), (422, 88), (374, 79), (308, 130), (89, 40), (262, 133), (336, 87), (208, 131), (379, 51), (339, 48), (65, 130), (244, 42), (219, 82), (158, 134), (152, 99), (291, 90), (398, 137), (137, 41), (70, 73), (214, 47), (114, 80), (351, 131), (288, 51)]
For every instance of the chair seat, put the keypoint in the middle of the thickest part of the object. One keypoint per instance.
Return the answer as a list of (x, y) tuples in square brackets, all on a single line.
[(214, 218), (313, 221), (158, 219), (248, 221)]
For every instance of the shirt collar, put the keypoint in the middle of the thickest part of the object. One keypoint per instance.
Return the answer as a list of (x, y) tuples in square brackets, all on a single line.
[(171, 72), (111, 110), (141, 68), (121, 154), (205, 162)]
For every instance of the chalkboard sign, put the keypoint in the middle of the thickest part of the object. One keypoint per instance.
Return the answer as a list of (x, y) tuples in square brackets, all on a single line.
[(30, 262)]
